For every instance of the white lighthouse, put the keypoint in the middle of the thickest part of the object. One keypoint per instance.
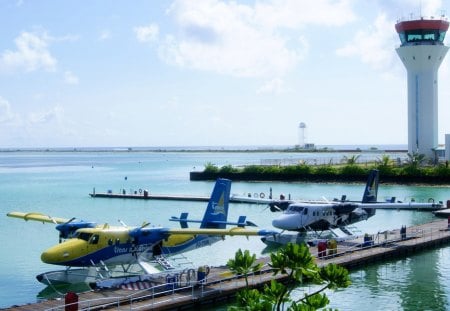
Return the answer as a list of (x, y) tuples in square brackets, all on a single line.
[(302, 135), (422, 50)]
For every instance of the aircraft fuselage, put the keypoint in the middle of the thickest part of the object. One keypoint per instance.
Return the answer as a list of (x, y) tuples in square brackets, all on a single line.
[(304, 217)]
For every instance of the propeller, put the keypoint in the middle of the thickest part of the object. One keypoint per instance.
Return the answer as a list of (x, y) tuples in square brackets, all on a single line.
[(62, 228)]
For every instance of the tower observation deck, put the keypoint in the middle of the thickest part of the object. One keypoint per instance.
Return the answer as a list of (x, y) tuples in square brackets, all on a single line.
[(422, 51)]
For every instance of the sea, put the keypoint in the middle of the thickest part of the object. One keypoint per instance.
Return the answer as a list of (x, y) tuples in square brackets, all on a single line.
[(58, 183)]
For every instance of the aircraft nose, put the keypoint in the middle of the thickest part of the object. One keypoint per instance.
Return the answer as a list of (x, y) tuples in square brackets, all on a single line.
[(61, 253), (53, 256), (286, 222)]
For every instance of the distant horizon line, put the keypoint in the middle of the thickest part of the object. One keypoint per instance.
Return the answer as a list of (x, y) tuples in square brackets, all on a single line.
[(355, 147)]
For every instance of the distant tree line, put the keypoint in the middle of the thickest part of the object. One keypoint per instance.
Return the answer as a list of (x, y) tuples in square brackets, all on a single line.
[(413, 170)]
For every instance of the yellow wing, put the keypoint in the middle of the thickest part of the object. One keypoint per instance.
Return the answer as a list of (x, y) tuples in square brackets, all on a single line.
[(37, 217)]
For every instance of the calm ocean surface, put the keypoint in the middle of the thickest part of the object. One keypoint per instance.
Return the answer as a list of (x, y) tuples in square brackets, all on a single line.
[(58, 184)]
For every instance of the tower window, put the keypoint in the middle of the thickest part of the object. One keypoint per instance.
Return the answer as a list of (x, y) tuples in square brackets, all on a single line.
[(429, 56)]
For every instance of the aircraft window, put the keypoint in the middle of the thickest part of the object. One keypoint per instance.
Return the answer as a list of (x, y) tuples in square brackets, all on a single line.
[(295, 209), (94, 239), (110, 242), (305, 212), (84, 236), (117, 241)]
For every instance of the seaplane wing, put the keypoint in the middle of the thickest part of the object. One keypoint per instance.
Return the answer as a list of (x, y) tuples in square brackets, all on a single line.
[(38, 217), (235, 231), (345, 208)]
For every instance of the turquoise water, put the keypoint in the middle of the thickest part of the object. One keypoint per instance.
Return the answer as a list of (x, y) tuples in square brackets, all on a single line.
[(58, 183)]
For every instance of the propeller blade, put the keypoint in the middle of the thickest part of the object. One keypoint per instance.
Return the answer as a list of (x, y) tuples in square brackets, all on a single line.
[(145, 224), (250, 224)]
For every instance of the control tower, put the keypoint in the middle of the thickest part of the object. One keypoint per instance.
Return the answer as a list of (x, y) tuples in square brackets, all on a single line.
[(422, 50)]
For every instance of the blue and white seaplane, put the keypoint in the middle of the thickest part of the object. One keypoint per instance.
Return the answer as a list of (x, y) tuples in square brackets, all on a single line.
[(88, 244), (312, 219)]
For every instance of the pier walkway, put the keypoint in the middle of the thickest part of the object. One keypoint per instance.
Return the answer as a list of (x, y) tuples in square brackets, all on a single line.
[(221, 285)]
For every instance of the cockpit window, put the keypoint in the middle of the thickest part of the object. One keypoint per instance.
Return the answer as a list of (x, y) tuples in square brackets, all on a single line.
[(94, 239), (295, 209), (83, 236)]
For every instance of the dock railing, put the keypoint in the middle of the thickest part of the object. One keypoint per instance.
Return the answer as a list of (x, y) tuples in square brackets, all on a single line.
[(147, 297), (390, 239)]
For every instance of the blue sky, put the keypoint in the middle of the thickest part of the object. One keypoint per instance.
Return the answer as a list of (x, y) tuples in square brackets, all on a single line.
[(206, 72)]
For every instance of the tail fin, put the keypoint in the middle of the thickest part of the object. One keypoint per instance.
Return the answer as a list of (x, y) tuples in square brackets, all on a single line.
[(217, 210), (371, 191)]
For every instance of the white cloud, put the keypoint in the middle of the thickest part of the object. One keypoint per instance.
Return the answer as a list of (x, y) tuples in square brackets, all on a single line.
[(147, 33), (275, 86), (295, 14), (31, 53), (243, 40), (70, 78), (374, 46), (6, 114), (54, 114), (105, 35)]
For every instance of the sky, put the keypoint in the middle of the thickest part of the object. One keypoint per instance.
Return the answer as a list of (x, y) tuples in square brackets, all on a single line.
[(206, 72)]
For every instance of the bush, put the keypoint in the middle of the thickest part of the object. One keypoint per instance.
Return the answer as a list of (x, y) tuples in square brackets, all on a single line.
[(301, 169), (325, 170), (353, 170), (228, 169), (211, 168)]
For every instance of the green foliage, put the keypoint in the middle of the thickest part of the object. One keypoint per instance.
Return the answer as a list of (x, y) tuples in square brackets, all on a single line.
[(353, 170), (244, 264), (325, 170), (352, 160), (300, 169), (413, 170), (255, 169), (228, 169), (249, 299), (415, 160), (298, 264), (211, 168), (384, 165), (335, 275), (441, 171)]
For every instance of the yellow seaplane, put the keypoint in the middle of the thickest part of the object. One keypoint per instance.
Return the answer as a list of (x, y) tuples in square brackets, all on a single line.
[(88, 244)]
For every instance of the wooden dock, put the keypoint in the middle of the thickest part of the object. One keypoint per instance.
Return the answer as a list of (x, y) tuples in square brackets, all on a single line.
[(220, 285)]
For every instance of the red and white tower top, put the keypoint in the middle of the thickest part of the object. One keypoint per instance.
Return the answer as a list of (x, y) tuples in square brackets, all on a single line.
[(422, 31)]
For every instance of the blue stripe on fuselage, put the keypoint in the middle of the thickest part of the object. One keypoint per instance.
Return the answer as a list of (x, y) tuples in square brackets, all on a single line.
[(108, 254)]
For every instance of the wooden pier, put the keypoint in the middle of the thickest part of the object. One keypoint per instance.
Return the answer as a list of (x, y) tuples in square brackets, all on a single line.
[(221, 285)]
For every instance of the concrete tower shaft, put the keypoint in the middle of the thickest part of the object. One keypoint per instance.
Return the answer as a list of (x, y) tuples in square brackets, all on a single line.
[(422, 52)]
